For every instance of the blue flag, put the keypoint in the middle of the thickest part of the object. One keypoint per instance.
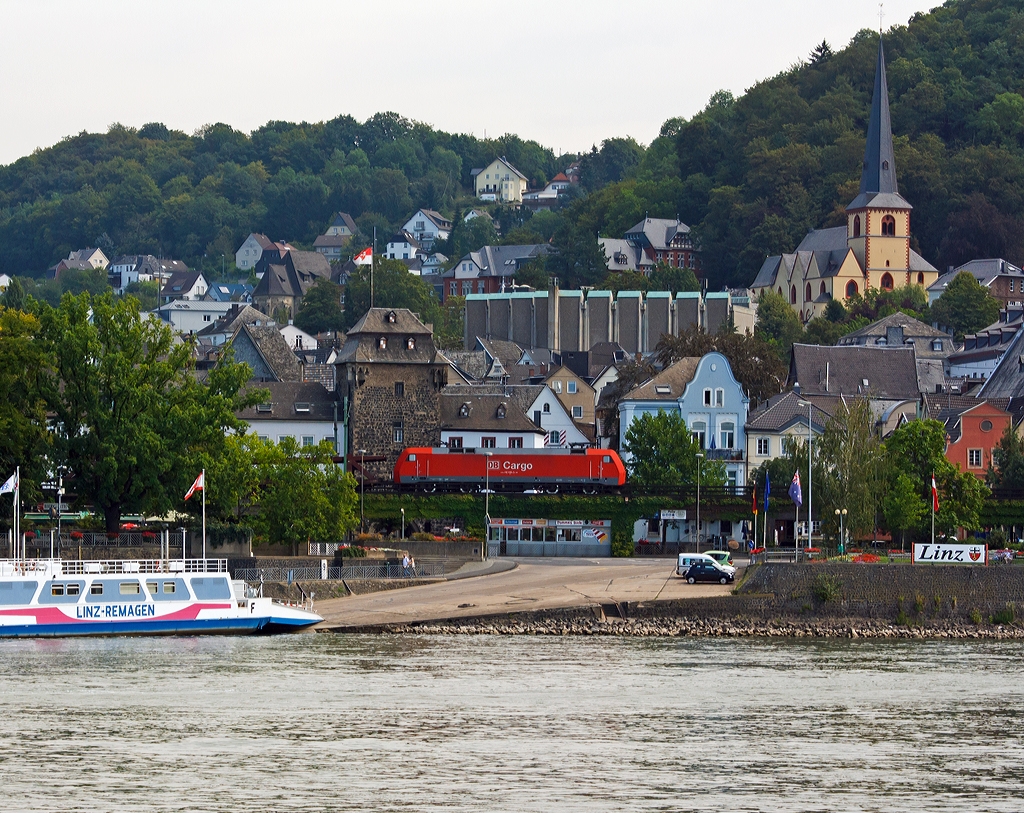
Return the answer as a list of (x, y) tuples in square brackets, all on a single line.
[(767, 490), (795, 494)]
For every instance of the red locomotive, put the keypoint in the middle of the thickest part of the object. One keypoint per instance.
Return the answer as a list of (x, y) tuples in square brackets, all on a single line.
[(551, 470)]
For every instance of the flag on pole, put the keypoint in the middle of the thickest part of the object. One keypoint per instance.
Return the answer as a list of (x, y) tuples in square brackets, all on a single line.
[(935, 496), (795, 494), (364, 257), (753, 508), (196, 486), (767, 490), (11, 485)]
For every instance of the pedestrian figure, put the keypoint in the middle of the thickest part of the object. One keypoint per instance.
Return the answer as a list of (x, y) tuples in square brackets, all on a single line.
[(405, 565), (412, 565)]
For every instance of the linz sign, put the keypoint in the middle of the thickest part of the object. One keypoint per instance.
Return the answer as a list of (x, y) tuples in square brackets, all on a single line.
[(944, 554)]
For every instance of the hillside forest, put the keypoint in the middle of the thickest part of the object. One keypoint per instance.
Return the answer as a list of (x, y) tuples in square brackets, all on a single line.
[(751, 174)]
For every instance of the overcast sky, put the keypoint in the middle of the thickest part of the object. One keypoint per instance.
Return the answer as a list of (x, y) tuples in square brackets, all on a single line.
[(567, 74)]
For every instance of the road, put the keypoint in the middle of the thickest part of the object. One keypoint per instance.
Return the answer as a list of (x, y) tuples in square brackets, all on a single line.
[(535, 584)]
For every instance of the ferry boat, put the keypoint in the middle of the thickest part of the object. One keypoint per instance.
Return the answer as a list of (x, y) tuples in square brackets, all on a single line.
[(56, 598)]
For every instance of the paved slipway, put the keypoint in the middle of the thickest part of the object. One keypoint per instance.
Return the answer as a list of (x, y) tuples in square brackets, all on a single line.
[(506, 586)]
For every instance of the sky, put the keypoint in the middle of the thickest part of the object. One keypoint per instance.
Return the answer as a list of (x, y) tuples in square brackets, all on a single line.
[(566, 74)]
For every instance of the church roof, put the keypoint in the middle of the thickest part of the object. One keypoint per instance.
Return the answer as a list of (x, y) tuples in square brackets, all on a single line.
[(878, 187)]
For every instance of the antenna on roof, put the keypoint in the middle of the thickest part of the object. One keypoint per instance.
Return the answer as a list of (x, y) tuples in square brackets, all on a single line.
[(881, 14)]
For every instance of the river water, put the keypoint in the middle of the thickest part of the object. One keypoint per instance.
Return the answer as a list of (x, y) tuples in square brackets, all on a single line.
[(481, 723)]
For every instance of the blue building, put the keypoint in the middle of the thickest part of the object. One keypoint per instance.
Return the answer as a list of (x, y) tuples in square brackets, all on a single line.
[(706, 394)]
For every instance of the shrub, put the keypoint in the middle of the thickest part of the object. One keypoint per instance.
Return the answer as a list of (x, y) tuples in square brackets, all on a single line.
[(422, 536), (76, 534), (918, 604), (622, 544), (902, 620), (976, 616), (827, 588), (361, 538), (1005, 616), (938, 603), (952, 602)]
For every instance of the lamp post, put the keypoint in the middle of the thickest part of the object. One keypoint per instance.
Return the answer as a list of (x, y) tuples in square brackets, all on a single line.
[(60, 499), (810, 456), (841, 513), (487, 503), (403, 525), (362, 488), (700, 457)]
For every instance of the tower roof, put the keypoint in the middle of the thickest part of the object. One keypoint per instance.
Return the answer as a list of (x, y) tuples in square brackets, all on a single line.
[(878, 185)]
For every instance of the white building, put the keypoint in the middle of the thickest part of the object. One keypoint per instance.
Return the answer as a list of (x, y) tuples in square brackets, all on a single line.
[(190, 315)]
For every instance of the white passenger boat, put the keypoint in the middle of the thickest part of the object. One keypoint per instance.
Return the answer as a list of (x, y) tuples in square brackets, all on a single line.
[(51, 598)]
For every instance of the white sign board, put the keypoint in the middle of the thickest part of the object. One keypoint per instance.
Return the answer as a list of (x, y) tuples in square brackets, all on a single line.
[(950, 554), (666, 514)]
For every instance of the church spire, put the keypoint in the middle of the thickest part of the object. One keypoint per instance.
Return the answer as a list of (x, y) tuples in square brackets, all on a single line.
[(878, 174)]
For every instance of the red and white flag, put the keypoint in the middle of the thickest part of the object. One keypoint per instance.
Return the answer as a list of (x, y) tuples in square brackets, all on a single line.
[(935, 496), (197, 485), (364, 257)]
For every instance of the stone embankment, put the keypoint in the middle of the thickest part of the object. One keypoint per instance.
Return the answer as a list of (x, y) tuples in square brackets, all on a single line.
[(703, 628)]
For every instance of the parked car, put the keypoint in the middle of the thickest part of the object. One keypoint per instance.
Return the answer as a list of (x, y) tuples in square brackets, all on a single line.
[(708, 572), (684, 560), (723, 557)]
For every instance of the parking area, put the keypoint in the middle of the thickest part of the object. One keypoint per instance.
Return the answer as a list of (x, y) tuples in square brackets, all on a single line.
[(534, 584)]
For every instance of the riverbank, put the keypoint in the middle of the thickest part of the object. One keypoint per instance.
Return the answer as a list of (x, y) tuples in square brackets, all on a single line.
[(589, 624)]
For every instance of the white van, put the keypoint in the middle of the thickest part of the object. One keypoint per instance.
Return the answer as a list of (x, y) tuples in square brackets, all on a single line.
[(686, 559)]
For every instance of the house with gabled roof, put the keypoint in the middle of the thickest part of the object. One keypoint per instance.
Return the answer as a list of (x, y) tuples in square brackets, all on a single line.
[(1004, 280), (664, 240), (221, 330), (188, 285), (286, 274), (403, 246), (252, 248), (499, 181), (427, 226), (490, 270), (266, 351), (301, 410), (706, 395), (475, 420), (338, 235)]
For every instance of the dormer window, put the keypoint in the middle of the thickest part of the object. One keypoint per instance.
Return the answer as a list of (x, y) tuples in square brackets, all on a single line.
[(410, 343), (464, 411), (391, 317), (302, 407), (263, 407), (383, 342), (501, 411)]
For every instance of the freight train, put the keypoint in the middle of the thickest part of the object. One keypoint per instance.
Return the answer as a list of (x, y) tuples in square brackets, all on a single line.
[(587, 471)]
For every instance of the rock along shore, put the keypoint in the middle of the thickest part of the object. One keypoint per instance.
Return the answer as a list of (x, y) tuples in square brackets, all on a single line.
[(702, 628)]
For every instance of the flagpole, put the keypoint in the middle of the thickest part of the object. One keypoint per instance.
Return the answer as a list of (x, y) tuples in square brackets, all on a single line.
[(373, 259), (933, 510), (17, 512), (204, 519)]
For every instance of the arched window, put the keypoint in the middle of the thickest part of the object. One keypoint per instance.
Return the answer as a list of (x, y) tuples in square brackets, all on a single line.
[(856, 225), (886, 281), (851, 289), (889, 226), (807, 292), (780, 290), (792, 295), (920, 278), (822, 291)]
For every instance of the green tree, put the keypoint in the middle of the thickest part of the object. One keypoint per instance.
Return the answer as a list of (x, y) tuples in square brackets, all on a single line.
[(965, 306), (147, 292), (669, 278), (663, 452), (903, 506), (777, 324), (321, 308), (1007, 469), (303, 496), (133, 422), (393, 287), (14, 297)]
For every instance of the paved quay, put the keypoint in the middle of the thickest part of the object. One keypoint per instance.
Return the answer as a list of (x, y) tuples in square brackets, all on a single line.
[(504, 586)]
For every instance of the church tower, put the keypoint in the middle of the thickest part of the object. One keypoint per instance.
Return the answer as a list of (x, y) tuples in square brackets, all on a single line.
[(878, 219)]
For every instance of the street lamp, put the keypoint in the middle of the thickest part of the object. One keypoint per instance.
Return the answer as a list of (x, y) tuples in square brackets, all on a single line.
[(487, 502), (810, 450), (403, 525), (700, 457), (60, 499), (362, 488), (842, 536)]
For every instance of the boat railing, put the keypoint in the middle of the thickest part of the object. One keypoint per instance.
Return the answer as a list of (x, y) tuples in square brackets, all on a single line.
[(120, 566)]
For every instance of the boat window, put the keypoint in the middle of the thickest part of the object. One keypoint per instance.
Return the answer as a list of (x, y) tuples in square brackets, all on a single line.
[(130, 588), (56, 589), (211, 588), (96, 589), (152, 587), (74, 589), (19, 592), (169, 587)]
